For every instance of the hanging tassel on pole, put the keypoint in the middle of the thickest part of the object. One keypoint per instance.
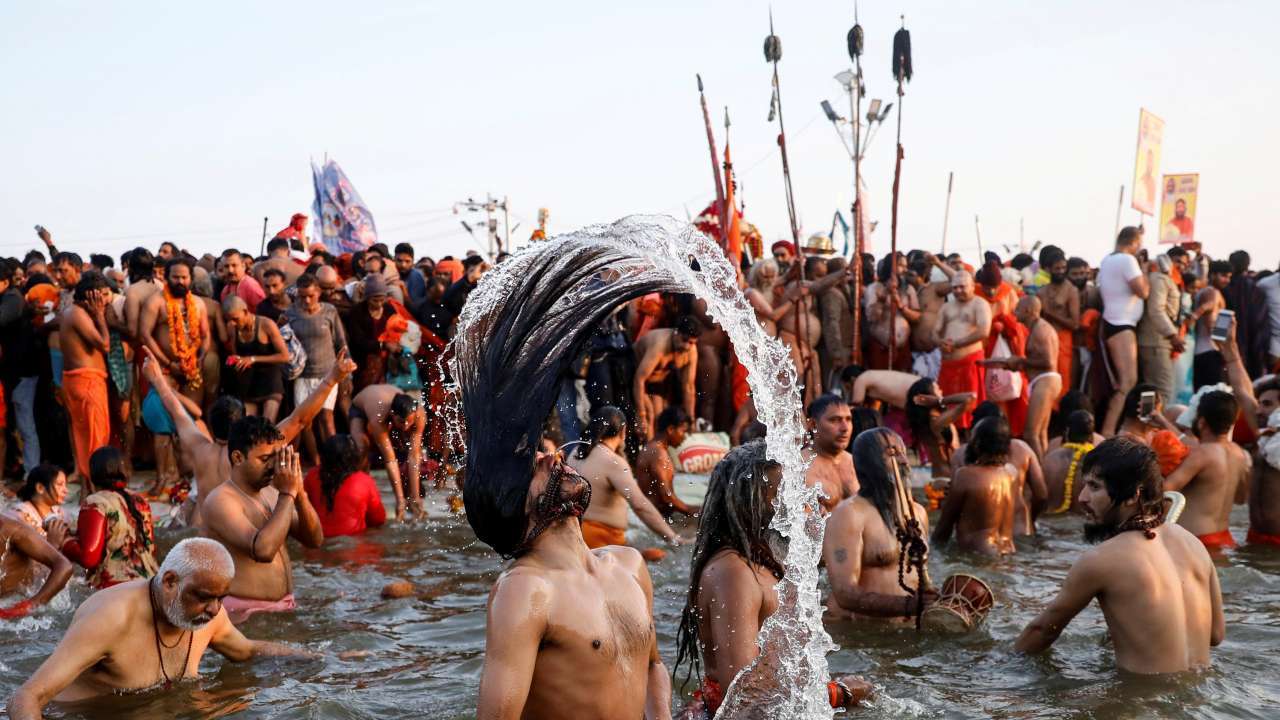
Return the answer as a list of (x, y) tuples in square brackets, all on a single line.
[(902, 72)]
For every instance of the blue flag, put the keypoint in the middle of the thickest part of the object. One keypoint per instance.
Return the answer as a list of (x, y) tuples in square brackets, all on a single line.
[(346, 225)]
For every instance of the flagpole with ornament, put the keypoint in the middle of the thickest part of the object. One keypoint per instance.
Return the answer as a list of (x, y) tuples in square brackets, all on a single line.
[(855, 100), (772, 54), (715, 163), (901, 73)]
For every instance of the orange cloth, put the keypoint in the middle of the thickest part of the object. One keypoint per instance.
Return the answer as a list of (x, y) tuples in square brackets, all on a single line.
[(963, 375), (711, 695), (85, 392), (1169, 450), (1221, 540), (1089, 320), (599, 535), (453, 267), (1257, 538), (1065, 351), (740, 389)]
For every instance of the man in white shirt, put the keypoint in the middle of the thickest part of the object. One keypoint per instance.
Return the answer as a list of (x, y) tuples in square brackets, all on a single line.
[(1123, 286)]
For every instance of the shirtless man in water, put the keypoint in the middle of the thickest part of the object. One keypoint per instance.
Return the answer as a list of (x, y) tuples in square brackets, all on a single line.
[(111, 645), (1062, 465), (667, 366), (613, 487), (205, 451), (1156, 585), (654, 472), (24, 549), (732, 585), (386, 418), (1030, 490), (860, 546), (1215, 475), (831, 469), (254, 512), (965, 321), (1041, 367), (979, 506)]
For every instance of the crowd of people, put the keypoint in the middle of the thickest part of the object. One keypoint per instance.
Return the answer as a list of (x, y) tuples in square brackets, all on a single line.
[(264, 391)]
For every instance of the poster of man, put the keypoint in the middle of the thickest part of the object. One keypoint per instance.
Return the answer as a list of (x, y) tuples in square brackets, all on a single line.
[(1178, 208), (1146, 166)]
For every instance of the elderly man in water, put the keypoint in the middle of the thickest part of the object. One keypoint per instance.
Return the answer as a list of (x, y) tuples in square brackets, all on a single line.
[(1155, 582), (145, 634)]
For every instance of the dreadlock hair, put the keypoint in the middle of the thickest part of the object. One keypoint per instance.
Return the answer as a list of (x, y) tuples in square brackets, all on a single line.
[(1079, 427), (735, 516), (875, 475), (226, 410), (250, 431), (107, 471), (339, 460), (607, 422), (989, 443), (1129, 469), (44, 475)]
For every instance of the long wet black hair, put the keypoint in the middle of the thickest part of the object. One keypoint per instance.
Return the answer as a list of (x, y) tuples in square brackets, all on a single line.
[(519, 332), (875, 475), (607, 422), (107, 472), (735, 516), (339, 458), (989, 444)]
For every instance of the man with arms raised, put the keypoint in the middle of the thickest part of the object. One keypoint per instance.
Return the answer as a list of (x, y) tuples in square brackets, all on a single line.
[(965, 321), (860, 546), (1156, 585), (980, 501), (380, 412), (1041, 367), (1215, 475), (654, 472), (831, 468), (732, 581), (254, 512), (666, 370), (1123, 286), (85, 343), (24, 548), (600, 461), (927, 359), (1208, 366), (145, 634)]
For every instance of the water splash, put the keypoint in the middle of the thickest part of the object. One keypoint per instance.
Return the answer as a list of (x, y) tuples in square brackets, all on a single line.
[(787, 681)]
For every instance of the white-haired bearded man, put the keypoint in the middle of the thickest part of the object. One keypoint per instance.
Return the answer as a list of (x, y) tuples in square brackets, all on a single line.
[(145, 634)]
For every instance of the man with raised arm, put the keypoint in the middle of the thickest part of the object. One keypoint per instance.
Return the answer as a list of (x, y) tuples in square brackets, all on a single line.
[(24, 549), (85, 343), (666, 372), (1215, 475), (1156, 585), (145, 634)]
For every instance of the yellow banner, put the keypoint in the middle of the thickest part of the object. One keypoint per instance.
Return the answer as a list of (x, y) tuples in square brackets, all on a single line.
[(1178, 208), (1146, 167)]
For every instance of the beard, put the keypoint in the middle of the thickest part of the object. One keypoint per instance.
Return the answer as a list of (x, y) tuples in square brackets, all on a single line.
[(177, 617), (1105, 528), (1056, 279), (178, 291), (1080, 282)]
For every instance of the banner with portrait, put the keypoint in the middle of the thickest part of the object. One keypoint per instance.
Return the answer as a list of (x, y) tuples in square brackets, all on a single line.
[(1146, 166), (1178, 208)]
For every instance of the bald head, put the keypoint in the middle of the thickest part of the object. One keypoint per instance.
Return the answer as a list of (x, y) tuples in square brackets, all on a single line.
[(962, 286), (1027, 310), (234, 304), (327, 277)]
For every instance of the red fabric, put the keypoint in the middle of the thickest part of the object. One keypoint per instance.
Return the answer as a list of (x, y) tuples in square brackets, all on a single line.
[(732, 243), (1065, 358), (1170, 450), (711, 695), (878, 357), (740, 389), (1257, 538), (297, 228), (86, 548), (248, 290), (1243, 433), (963, 375), (356, 506), (84, 392), (1089, 321), (1016, 411), (20, 609), (1221, 540)]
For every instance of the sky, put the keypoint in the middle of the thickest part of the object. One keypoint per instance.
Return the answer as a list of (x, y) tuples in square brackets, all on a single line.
[(133, 123)]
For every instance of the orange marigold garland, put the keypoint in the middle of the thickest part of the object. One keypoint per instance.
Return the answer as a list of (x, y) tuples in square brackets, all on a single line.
[(185, 338)]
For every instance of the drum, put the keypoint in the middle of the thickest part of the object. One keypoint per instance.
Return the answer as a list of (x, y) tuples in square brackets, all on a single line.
[(963, 603)]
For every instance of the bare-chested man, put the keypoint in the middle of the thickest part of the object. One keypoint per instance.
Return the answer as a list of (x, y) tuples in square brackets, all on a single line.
[(831, 467), (24, 549), (800, 327), (254, 512), (666, 370), (385, 417), (1215, 475), (85, 344), (1030, 491), (1157, 586), (1062, 465), (1041, 367), (892, 311), (1123, 287), (1060, 305), (932, 296), (870, 387), (1208, 367), (204, 445), (736, 566), (860, 546), (965, 321), (980, 501), (613, 487), (278, 258), (134, 636), (655, 474)]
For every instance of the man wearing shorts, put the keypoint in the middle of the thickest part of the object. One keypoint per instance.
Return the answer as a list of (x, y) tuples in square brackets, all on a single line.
[(318, 328), (1124, 287)]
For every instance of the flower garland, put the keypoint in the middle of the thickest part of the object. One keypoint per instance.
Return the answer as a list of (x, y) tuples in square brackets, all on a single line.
[(185, 338), (1068, 485)]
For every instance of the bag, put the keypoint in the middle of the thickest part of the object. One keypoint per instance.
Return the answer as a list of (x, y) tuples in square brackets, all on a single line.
[(1002, 384), (700, 452), (297, 353)]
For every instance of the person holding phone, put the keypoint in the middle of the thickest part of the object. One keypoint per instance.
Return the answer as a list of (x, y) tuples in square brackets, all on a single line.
[(1208, 367)]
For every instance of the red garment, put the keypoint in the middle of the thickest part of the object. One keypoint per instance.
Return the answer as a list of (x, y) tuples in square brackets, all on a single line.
[(86, 547), (1218, 541), (741, 390), (878, 356), (1259, 538), (356, 506), (1066, 353), (963, 375), (248, 290), (711, 695), (297, 228)]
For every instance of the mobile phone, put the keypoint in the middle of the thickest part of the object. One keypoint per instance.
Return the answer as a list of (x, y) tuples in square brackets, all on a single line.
[(39, 229), (1146, 404), (1222, 325)]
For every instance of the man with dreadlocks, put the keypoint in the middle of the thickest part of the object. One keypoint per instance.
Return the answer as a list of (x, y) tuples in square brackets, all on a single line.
[(863, 545), (735, 568), (979, 506), (1156, 584)]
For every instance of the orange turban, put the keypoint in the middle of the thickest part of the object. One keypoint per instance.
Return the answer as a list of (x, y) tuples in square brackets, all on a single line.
[(453, 267)]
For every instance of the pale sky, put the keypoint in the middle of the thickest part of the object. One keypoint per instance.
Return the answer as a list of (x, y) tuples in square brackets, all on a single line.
[(133, 123)]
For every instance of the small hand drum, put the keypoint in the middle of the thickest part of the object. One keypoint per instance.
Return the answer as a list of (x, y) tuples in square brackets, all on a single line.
[(963, 604)]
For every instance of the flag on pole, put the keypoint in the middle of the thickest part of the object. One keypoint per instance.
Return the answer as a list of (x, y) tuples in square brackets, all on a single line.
[(346, 225)]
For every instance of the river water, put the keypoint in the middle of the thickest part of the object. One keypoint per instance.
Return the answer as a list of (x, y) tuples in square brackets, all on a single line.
[(425, 654)]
